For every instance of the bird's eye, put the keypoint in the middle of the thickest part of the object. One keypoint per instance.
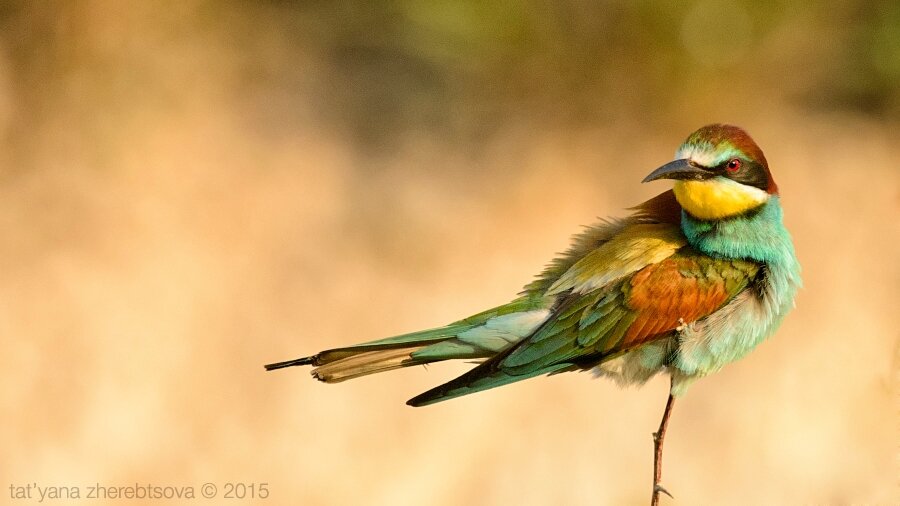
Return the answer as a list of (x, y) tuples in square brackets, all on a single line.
[(733, 165)]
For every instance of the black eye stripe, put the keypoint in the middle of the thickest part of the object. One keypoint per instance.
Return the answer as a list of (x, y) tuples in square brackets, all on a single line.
[(749, 173)]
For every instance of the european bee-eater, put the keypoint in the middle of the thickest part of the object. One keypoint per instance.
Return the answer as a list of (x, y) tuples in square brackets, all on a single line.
[(694, 279)]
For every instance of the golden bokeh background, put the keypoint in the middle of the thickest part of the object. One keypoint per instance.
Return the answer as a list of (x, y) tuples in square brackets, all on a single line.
[(189, 190)]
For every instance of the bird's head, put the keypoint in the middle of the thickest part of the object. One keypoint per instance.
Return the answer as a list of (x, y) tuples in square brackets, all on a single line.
[(719, 172)]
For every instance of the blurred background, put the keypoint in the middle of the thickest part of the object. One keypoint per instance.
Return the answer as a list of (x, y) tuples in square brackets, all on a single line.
[(189, 190)]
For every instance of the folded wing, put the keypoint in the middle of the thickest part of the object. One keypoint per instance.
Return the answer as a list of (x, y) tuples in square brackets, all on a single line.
[(594, 322)]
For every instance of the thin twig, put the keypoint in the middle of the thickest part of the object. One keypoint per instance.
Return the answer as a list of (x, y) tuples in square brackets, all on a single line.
[(658, 438)]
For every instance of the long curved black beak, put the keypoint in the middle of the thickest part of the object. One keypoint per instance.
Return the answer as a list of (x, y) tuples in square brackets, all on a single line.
[(680, 169)]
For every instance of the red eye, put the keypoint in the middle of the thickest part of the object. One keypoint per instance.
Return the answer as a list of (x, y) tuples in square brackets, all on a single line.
[(733, 165)]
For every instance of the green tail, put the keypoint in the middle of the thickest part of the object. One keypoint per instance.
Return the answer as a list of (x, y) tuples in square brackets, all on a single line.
[(416, 348), (475, 381)]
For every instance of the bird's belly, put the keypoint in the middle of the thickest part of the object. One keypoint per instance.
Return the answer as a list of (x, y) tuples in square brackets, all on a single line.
[(707, 345), (637, 366)]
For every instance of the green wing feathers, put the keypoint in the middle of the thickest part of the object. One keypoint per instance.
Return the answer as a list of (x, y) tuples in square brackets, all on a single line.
[(587, 329)]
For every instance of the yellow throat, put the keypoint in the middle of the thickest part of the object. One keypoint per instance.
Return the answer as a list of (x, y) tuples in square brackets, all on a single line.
[(717, 198)]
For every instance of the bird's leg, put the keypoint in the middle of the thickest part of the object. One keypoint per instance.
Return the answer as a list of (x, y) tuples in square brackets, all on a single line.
[(658, 437)]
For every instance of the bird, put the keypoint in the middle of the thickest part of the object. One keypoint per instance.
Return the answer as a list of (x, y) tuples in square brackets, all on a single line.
[(692, 280)]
